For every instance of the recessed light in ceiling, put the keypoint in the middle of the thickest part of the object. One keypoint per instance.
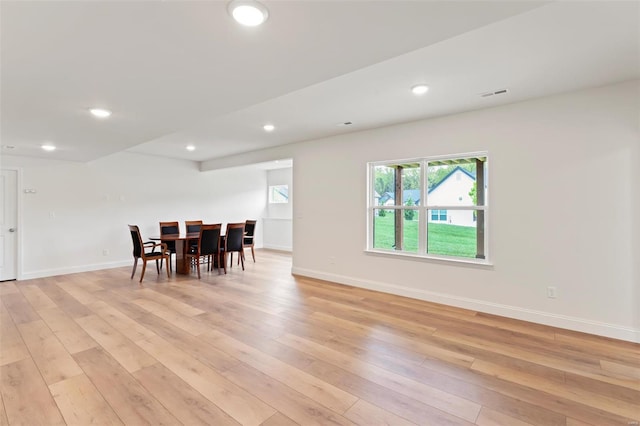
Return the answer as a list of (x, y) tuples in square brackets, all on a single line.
[(100, 112), (248, 12), (48, 147), (420, 89), (269, 127), (191, 148)]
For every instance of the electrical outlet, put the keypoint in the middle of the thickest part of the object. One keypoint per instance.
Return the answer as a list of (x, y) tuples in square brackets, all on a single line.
[(105, 252), (332, 260), (552, 292)]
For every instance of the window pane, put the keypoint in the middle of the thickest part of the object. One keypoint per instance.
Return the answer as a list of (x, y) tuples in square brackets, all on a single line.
[(411, 185), (452, 239), (384, 179), (279, 194), (384, 232), (451, 184), (410, 231), (384, 236)]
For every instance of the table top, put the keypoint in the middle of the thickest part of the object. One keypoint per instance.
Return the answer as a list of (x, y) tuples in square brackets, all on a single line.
[(176, 237)]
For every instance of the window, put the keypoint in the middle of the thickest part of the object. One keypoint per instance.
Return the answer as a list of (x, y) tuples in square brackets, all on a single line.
[(278, 194), (430, 207), (438, 215)]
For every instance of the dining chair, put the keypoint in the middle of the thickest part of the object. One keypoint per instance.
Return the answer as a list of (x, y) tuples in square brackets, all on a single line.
[(233, 242), (140, 252), (192, 226), (168, 228), (249, 231), (208, 245)]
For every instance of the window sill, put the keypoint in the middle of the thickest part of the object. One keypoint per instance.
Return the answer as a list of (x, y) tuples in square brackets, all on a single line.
[(483, 263)]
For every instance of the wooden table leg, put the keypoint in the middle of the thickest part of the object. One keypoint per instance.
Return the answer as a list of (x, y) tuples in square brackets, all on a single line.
[(182, 261)]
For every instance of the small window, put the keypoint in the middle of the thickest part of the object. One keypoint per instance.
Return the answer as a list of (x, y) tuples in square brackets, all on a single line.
[(278, 194), (438, 215)]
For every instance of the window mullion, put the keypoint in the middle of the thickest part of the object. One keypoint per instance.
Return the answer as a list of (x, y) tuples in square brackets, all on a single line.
[(422, 212)]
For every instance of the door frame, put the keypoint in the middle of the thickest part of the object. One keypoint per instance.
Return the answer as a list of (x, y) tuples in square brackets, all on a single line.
[(18, 253)]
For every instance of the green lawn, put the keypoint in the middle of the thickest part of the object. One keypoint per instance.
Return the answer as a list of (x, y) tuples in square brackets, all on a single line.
[(445, 239)]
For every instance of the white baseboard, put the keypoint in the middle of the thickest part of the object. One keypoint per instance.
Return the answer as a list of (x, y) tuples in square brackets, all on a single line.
[(540, 317), (276, 247), (74, 269)]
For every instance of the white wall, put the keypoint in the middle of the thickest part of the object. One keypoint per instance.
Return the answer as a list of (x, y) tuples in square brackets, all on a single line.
[(80, 209), (576, 155), (278, 226)]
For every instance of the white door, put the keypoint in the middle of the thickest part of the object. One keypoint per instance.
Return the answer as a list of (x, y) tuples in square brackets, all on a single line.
[(8, 222)]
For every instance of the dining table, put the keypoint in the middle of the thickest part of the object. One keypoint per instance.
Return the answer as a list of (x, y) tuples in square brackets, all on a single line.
[(182, 248)]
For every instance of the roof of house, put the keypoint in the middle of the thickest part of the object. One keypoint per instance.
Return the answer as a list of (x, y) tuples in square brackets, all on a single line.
[(448, 175), (414, 194)]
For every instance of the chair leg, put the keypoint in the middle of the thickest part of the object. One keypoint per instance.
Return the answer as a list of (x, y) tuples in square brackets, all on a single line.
[(158, 266), (168, 273), (135, 264), (198, 266), (230, 263), (224, 263), (253, 254), (241, 254), (144, 268)]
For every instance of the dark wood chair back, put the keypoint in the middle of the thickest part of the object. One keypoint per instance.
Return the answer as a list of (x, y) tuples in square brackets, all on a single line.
[(136, 239), (249, 230), (208, 246), (234, 237), (209, 242), (192, 226), (168, 228), (234, 242)]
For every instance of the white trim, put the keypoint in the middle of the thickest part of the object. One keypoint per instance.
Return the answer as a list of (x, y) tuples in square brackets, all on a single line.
[(428, 257), (540, 317), (276, 247), (75, 269), (19, 256)]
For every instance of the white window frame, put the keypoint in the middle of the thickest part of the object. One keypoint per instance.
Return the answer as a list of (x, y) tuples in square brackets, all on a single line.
[(424, 209)]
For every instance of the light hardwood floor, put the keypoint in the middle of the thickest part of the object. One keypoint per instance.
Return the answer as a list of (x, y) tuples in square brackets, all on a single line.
[(261, 347)]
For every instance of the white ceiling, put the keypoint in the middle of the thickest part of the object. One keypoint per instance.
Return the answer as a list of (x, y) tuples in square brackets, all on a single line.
[(182, 72)]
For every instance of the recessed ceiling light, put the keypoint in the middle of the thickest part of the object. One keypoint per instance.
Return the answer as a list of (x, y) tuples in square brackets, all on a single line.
[(48, 147), (100, 113), (248, 12), (420, 89), (269, 127), (191, 148)]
